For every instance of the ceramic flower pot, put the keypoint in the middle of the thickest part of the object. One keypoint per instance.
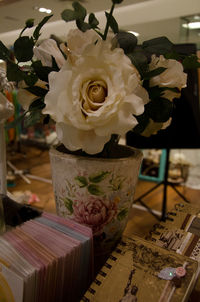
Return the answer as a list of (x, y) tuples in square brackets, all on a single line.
[(96, 192)]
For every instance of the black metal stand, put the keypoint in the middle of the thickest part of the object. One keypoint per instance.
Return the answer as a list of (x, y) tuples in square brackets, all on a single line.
[(165, 183)]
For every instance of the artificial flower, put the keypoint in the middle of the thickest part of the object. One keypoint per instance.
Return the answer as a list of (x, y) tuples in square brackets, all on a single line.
[(94, 97), (172, 77), (24, 97), (46, 50)]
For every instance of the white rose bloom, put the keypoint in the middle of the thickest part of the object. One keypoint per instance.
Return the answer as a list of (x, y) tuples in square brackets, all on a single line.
[(172, 77), (24, 97), (78, 40), (46, 50), (94, 97)]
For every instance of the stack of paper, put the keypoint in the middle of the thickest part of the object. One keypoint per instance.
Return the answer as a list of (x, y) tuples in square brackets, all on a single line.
[(46, 259)]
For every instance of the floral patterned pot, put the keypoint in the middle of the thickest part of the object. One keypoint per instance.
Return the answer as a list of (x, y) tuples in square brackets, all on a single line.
[(96, 192)]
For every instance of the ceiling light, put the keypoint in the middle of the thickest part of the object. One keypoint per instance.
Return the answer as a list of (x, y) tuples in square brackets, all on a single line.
[(191, 25), (134, 33), (43, 9)]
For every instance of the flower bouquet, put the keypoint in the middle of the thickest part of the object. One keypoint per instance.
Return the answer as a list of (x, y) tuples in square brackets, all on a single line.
[(96, 86)]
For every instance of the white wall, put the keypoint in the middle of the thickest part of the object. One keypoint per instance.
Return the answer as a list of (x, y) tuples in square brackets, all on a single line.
[(127, 17)]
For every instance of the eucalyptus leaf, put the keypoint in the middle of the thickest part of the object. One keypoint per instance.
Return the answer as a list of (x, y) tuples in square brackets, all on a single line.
[(30, 79), (174, 56), (191, 62), (42, 71), (29, 23), (112, 22), (37, 105), (83, 26), (117, 1), (14, 73), (93, 20), (160, 110), (139, 60), (154, 73), (80, 10), (127, 41), (36, 90), (68, 15), (143, 121), (159, 46), (36, 32), (4, 52), (94, 190), (23, 49)]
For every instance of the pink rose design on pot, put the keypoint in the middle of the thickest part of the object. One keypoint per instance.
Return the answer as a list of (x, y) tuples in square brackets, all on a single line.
[(94, 212)]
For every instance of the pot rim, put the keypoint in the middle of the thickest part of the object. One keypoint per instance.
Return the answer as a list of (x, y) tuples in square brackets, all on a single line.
[(136, 154)]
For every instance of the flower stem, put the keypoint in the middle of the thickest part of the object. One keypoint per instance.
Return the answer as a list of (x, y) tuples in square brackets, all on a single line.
[(108, 22)]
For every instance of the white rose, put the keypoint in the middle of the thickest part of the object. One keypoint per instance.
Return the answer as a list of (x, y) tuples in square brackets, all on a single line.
[(94, 98), (24, 97), (172, 77), (48, 49), (78, 40)]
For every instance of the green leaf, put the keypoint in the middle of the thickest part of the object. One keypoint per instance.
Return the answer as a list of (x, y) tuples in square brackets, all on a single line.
[(14, 73), (82, 181), (4, 52), (36, 32), (127, 41), (83, 26), (191, 62), (32, 118), (94, 190), (112, 23), (143, 121), (68, 204), (37, 105), (122, 214), (159, 109), (93, 21), (29, 23), (79, 10), (36, 90), (42, 71), (174, 56), (16, 122), (99, 177), (157, 46), (30, 79), (117, 1), (68, 15), (154, 73), (156, 91), (139, 60), (23, 49)]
